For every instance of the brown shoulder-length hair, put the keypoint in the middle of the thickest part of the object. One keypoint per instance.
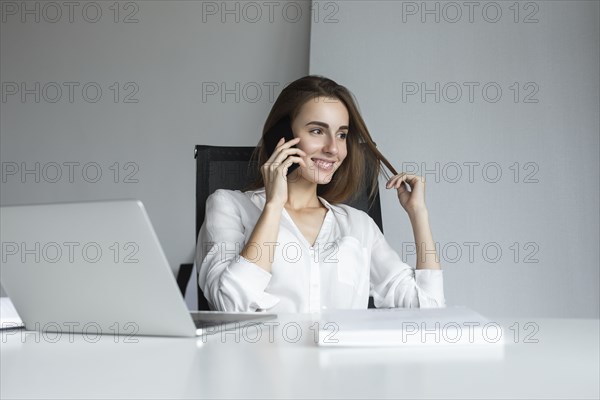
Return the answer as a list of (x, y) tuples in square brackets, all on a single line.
[(347, 180)]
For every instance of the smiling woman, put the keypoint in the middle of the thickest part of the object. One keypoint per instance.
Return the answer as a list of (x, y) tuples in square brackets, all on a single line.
[(297, 247)]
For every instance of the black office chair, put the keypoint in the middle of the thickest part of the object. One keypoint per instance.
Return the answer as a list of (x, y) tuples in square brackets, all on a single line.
[(222, 167)]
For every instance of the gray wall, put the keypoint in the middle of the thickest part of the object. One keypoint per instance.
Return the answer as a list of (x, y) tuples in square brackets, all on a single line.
[(383, 51), (166, 57)]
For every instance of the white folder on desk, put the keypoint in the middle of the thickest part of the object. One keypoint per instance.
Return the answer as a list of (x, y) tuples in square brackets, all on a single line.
[(450, 326)]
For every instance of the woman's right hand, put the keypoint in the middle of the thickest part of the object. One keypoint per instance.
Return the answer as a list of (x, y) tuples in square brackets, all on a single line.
[(274, 171)]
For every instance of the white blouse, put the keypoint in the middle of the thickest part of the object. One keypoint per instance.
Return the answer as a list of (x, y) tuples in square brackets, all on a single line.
[(349, 261)]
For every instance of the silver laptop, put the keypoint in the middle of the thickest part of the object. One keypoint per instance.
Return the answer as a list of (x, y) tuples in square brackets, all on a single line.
[(97, 267)]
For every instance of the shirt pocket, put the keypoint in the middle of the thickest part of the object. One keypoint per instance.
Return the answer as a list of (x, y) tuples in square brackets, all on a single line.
[(352, 259)]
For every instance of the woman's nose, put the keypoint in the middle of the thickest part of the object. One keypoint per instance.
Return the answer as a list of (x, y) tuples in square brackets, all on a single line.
[(331, 146)]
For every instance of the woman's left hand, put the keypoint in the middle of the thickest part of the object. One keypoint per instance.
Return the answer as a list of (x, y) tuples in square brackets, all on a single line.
[(414, 200)]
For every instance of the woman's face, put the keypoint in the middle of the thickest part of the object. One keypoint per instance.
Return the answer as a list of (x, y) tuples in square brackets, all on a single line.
[(322, 126)]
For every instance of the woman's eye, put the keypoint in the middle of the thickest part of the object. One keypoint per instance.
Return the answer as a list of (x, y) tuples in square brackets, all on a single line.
[(317, 131)]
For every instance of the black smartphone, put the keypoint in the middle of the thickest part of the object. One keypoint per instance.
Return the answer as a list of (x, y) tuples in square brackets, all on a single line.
[(283, 128)]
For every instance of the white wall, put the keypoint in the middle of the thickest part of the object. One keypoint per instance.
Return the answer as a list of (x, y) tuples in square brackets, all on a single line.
[(173, 49), (378, 49)]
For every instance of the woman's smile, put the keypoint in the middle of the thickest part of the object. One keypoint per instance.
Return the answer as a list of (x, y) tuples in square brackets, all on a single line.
[(325, 165)]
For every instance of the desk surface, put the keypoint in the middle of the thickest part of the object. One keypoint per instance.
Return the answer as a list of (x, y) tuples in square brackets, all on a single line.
[(557, 358)]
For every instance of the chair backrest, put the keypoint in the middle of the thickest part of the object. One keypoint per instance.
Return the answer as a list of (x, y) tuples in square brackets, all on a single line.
[(226, 167)]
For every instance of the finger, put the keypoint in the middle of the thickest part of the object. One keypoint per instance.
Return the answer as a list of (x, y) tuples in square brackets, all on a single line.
[(402, 186), (284, 153), (282, 168), (413, 179), (274, 166), (409, 179), (282, 144), (292, 150), (291, 160), (287, 144), (394, 179)]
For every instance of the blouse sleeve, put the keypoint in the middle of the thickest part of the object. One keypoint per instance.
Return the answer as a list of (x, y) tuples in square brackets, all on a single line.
[(396, 284), (229, 281)]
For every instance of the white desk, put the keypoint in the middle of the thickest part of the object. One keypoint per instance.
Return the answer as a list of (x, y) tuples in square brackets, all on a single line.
[(563, 364)]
